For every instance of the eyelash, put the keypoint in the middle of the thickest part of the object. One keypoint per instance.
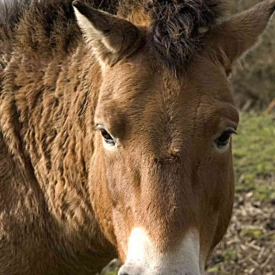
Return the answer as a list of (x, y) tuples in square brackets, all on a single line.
[(108, 139), (223, 140)]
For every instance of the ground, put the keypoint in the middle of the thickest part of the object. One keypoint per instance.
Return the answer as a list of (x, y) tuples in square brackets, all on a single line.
[(249, 246)]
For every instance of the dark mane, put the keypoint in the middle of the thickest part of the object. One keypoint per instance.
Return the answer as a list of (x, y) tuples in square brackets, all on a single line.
[(175, 32), (48, 26), (175, 26)]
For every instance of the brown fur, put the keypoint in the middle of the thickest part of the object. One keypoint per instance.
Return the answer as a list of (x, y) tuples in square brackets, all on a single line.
[(67, 205)]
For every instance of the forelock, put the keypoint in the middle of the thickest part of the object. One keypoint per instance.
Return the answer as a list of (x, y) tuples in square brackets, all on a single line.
[(176, 27)]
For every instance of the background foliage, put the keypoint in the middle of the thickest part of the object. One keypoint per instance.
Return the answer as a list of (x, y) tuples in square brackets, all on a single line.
[(248, 247), (254, 78)]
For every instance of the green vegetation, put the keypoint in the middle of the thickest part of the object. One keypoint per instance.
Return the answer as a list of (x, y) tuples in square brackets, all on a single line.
[(254, 80), (254, 155), (248, 247)]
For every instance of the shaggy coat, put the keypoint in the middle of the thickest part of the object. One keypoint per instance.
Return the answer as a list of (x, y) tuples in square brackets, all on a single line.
[(153, 82)]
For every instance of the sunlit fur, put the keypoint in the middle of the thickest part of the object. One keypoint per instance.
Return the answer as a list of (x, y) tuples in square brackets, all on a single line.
[(69, 203)]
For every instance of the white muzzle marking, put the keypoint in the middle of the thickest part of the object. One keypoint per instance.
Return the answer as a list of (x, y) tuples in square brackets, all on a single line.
[(143, 258)]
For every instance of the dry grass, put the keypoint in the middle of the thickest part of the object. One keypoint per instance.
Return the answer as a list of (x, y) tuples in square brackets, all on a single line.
[(249, 246)]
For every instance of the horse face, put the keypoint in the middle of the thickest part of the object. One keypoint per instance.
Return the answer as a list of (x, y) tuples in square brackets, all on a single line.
[(163, 145)]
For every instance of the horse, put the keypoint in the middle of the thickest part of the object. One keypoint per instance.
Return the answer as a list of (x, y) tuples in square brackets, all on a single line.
[(116, 124)]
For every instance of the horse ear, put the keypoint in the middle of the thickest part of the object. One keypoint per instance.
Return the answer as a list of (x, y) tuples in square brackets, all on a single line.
[(237, 35), (110, 38)]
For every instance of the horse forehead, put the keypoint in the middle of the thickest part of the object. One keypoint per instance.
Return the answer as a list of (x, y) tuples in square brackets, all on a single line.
[(140, 87), (138, 92), (166, 102)]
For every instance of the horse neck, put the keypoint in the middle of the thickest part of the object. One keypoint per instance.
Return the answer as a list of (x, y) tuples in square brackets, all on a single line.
[(53, 103)]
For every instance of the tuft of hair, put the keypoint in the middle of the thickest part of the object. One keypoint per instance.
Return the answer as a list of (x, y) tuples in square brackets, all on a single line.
[(178, 27)]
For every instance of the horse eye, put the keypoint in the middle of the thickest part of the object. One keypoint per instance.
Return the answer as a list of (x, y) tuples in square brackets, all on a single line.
[(107, 137), (223, 140)]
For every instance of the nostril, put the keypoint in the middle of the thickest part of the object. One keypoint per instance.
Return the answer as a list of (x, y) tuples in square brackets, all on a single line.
[(130, 269), (122, 272), (126, 271)]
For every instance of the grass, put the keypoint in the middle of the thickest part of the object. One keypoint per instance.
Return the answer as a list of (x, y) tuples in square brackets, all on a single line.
[(249, 246), (254, 147)]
